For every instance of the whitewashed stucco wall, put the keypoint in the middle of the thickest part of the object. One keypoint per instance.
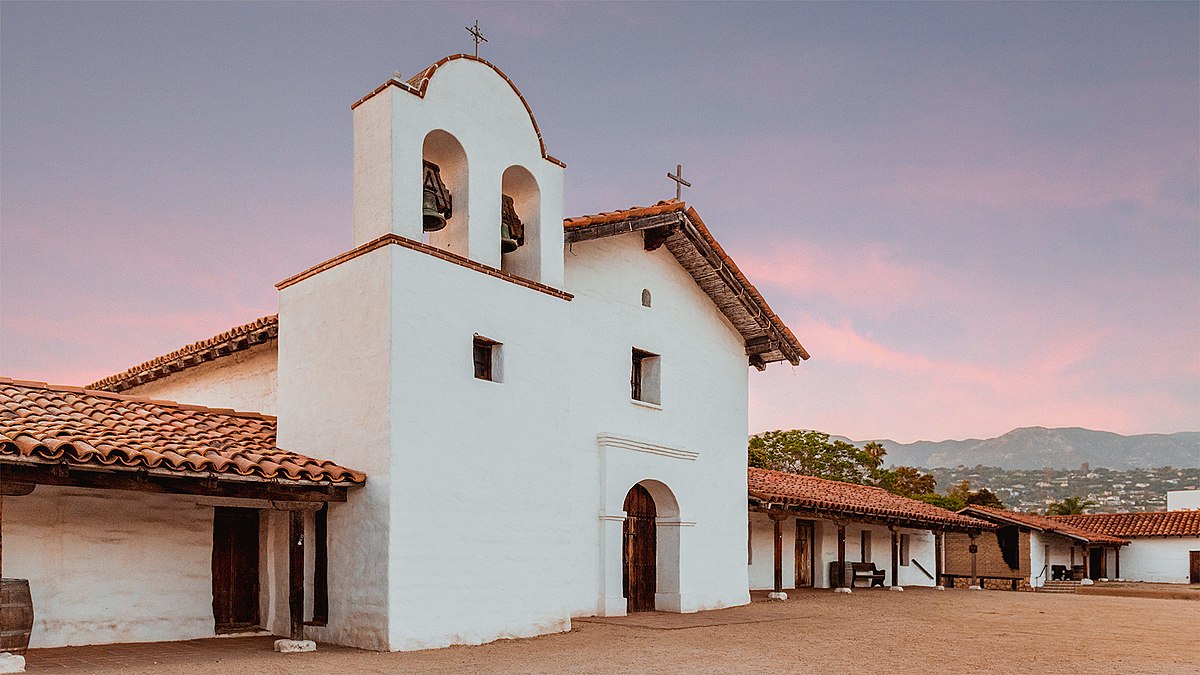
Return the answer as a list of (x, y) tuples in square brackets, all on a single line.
[(703, 410), (244, 381), (762, 565), (1156, 559), (110, 566)]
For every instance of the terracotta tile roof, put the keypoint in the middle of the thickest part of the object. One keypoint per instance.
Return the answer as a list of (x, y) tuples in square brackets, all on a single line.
[(767, 338), (835, 497), (1041, 523), (41, 424), (1145, 524), (233, 340)]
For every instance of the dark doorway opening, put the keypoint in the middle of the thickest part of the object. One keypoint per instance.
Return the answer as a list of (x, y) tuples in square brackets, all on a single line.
[(1095, 563), (235, 569), (1194, 565), (641, 545)]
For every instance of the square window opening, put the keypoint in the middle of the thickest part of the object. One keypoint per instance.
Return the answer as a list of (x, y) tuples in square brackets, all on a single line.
[(645, 378), (904, 557), (486, 355)]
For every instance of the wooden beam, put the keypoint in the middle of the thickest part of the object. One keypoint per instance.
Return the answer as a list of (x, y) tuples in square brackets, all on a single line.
[(296, 573), (577, 234), (830, 514), (895, 556), (1, 536), (653, 239), (143, 481), (841, 566), (11, 489)]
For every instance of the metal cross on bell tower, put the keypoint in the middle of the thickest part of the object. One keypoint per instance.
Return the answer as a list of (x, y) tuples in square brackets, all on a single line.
[(476, 35), (680, 183)]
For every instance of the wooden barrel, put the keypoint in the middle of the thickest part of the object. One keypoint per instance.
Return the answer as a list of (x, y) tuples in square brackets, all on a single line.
[(16, 615)]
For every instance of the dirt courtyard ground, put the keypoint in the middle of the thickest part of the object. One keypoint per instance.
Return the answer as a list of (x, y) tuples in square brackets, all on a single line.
[(869, 631)]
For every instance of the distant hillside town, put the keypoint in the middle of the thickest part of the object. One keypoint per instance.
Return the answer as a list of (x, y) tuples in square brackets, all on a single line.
[(1111, 490)]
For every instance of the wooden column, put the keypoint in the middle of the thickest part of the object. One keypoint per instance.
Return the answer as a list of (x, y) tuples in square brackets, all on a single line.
[(778, 522), (974, 550), (296, 573), (939, 537), (1086, 554), (841, 566), (895, 556), (1, 536), (1117, 562)]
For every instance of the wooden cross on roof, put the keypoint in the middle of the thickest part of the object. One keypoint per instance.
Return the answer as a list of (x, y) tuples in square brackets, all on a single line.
[(680, 183), (476, 35)]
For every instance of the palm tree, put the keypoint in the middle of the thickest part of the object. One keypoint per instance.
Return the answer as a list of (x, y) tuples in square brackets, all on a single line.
[(1070, 506), (873, 454)]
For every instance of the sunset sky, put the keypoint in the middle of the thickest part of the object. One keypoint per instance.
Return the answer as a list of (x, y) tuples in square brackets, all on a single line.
[(974, 216)]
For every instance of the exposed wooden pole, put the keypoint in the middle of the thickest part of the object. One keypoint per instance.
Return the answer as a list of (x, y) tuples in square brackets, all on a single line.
[(974, 550), (1087, 553), (841, 566), (296, 573), (778, 553), (1, 536), (895, 556), (939, 537)]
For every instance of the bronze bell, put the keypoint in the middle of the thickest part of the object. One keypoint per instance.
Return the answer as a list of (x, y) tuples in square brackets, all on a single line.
[(512, 230), (431, 219), (436, 202)]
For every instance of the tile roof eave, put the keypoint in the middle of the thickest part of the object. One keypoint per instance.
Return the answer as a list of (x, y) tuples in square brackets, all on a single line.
[(1044, 524)]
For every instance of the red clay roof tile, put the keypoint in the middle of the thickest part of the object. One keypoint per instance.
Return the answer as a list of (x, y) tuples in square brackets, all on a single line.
[(40, 423), (1043, 523), (850, 499), (1145, 524)]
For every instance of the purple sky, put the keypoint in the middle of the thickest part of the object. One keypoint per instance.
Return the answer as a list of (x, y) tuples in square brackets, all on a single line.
[(975, 217)]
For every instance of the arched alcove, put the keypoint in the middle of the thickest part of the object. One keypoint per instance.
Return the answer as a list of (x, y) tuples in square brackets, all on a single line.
[(518, 183), (651, 507), (444, 150)]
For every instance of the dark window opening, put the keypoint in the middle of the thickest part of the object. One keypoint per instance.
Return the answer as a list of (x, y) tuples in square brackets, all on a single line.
[(644, 377), (486, 357), (645, 297), (904, 543), (864, 546)]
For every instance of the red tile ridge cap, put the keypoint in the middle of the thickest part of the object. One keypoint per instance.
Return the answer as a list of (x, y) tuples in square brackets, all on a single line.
[(101, 393), (197, 347), (662, 206), (418, 84)]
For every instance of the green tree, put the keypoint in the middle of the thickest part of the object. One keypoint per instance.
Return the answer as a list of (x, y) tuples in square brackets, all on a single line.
[(873, 454), (944, 501), (905, 480), (985, 497), (808, 452), (1069, 507)]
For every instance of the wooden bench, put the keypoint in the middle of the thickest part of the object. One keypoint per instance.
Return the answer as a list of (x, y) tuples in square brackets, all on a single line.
[(981, 578), (866, 570)]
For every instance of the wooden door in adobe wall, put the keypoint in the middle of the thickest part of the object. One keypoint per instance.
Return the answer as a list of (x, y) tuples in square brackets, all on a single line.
[(804, 554), (1096, 564), (1194, 560), (235, 569), (641, 544)]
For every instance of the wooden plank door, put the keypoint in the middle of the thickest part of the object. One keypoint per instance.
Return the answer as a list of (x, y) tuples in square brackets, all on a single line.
[(641, 543), (804, 554), (235, 569), (1194, 560)]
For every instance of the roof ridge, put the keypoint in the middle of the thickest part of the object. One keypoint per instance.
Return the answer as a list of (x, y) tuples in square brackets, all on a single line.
[(133, 398)]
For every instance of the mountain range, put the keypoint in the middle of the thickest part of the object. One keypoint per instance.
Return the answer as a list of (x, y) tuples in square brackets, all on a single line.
[(1039, 447)]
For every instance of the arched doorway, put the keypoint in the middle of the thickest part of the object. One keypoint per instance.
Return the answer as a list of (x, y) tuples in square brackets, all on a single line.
[(641, 546)]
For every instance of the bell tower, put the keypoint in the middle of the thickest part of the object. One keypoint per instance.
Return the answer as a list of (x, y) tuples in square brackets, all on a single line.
[(453, 157)]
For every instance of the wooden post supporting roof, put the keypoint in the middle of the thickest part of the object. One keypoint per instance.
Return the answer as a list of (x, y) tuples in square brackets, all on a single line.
[(1, 535), (777, 518), (841, 566), (296, 574), (939, 538), (895, 556)]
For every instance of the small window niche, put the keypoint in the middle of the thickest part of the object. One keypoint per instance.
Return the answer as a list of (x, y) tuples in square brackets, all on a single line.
[(645, 380), (645, 297), (904, 555), (486, 354)]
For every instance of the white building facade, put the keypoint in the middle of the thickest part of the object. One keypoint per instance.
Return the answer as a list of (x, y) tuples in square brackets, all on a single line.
[(542, 430)]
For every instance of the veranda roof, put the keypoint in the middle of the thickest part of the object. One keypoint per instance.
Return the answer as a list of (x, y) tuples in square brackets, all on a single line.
[(1043, 524), (1145, 524), (74, 436), (837, 500)]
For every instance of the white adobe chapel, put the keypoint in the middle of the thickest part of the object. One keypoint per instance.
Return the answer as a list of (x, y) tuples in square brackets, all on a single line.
[(435, 442)]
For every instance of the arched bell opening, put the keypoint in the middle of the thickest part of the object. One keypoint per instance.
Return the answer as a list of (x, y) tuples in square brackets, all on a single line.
[(650, 577), (444, 161), (520, 227)]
